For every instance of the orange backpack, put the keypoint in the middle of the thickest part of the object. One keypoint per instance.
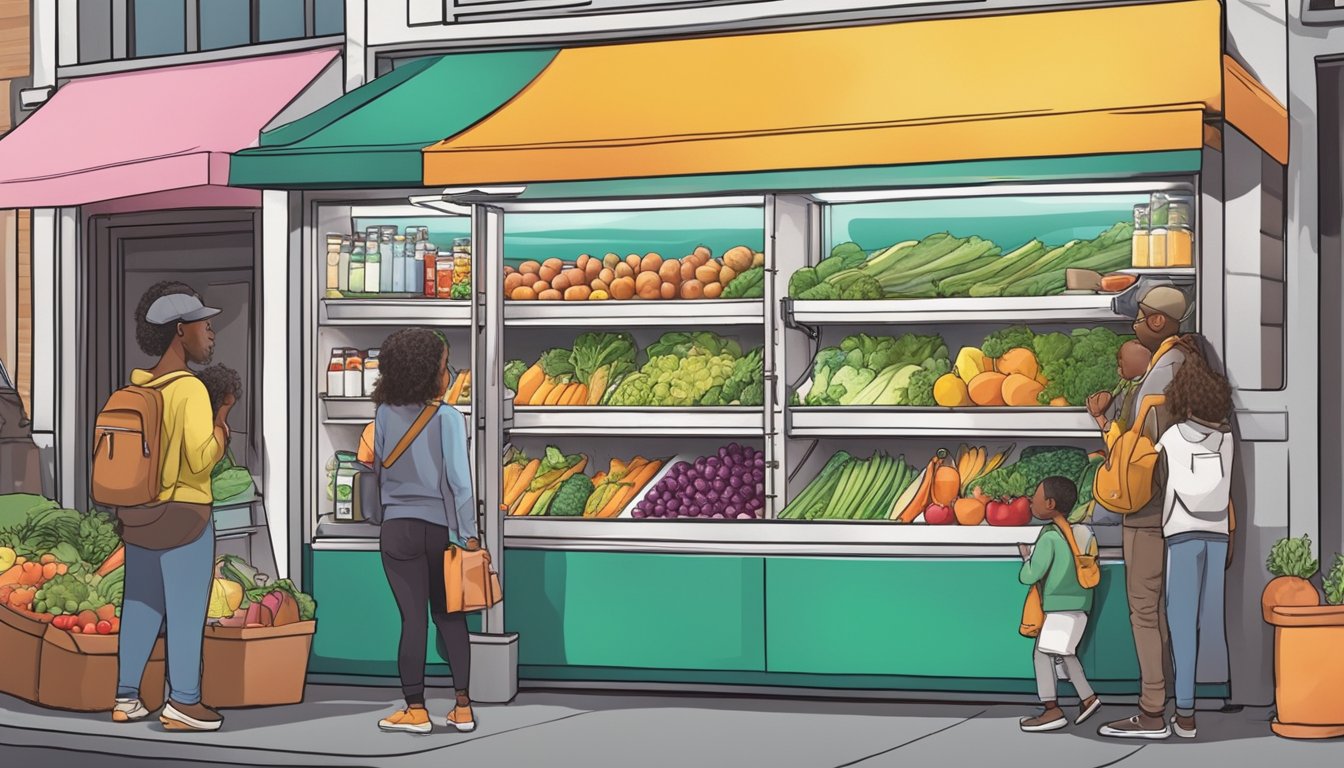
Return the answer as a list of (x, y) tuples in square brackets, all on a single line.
[(127, 446)]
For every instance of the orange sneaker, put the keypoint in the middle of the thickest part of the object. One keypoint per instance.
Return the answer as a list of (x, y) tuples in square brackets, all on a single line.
[(409, 720), (462, 719)]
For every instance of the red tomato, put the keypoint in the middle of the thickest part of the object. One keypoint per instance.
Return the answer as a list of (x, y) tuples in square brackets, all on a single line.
[(104, 627)]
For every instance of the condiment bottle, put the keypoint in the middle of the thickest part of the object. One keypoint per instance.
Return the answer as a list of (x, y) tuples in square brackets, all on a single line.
[(336, 373), (370, 371), (386, 284), (443, 275), (354, 374), (373, 262), (413, 271), (398, 264), (333, 266), (431, 270), (1140, 241), (355, 281)]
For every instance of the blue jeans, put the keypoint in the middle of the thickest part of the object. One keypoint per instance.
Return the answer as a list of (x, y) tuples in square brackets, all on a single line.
[(1195, 585), (171, 584)]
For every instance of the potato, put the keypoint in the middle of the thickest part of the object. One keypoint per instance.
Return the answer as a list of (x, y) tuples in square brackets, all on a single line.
[(576, 276), (582, 261), (541, 285), (688, 268), (703, 252), (692, 289), (523, 293), (624, 270), (508, 270), (607, 275), (561, 283), (738, 258), (708, 273), (529, 267), (713, 290), (548, 273), (600, 285), (633, 261), (667, 291), (623, 288), (599, 296), (551, 295), (648, 285), (726, 274), (650, 263), (511, 282), (577, 293), (554, 264), (611, 260), (758, 260), (670, 271), (592, 270), (529, 278)]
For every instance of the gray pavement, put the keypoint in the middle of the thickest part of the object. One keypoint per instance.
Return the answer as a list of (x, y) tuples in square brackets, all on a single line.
[(336, 726)]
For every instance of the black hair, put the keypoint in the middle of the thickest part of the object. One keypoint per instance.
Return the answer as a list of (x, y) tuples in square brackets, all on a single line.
[(220, 381), (152, 338), (408, 367), (1062, 491)]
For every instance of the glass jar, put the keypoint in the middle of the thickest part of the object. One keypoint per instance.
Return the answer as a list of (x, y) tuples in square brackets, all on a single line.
[(355, 280), (1180, 247), (354, 373), (343, 268), (431, 265), (370, 371), (336, 373), (333, 266), (373, 261), (386, 282), (1139, 259), (398, 265), (443, 276)]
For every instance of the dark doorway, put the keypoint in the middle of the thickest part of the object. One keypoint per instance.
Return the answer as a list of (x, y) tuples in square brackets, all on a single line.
[(1330, 123)]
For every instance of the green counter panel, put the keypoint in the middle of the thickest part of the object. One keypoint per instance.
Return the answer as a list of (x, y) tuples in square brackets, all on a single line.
[(636, 610), (358, 625)]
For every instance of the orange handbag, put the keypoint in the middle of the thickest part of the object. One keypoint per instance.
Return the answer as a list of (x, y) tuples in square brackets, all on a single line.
[(469, 580)]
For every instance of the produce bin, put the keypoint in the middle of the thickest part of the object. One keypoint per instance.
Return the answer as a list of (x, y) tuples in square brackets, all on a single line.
[(21, 647), (79, 672), (255, 666)]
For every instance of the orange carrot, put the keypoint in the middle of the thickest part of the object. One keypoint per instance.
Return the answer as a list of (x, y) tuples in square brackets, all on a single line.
[(11, 576), (113, 561)]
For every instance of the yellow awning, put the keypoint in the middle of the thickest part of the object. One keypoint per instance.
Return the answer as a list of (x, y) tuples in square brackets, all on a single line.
[(1254, 110), (1134, 78)]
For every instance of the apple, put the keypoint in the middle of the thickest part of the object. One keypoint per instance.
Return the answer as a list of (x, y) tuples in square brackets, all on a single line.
[(937, 514), (1021, 509), (996, 513)]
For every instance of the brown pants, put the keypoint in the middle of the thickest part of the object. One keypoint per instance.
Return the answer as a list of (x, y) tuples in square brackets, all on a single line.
[(1145, 560)]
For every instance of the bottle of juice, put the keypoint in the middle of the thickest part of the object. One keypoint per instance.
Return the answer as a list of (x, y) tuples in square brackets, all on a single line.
[(373, 262), (355, 280)]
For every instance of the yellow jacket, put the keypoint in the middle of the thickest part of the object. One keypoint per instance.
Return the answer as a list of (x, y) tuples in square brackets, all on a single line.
[(191, 448)]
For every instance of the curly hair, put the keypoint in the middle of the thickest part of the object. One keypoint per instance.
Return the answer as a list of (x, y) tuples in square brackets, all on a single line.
[(154, 339), (408, 367), (1199, 391), (220, 381)]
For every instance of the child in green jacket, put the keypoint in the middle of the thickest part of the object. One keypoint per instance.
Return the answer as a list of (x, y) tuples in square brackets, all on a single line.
[(1066, 602)]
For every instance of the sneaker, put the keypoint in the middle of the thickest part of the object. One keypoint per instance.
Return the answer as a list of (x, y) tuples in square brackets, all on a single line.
[(1136, 728), (1184, 726), (409, 720), (189, 717), (1050, 720), (462, 719), (129, 710), (1087, 709)]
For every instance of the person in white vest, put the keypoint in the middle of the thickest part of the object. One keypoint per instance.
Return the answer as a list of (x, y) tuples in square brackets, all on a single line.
[(1195, 468)]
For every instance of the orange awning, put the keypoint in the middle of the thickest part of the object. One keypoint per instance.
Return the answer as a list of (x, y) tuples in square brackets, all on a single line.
[(1254, 111), (1134, 78)]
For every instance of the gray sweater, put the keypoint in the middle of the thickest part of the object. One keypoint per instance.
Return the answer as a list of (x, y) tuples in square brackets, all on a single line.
[(432, 479)]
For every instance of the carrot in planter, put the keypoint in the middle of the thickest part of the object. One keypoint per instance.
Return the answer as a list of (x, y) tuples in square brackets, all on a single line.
[(107, 612), (12, 576), (49, 571), (113, 561)]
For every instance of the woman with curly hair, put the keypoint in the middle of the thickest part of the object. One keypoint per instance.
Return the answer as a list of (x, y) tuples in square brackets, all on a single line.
[(1195, 468), (426, 503)]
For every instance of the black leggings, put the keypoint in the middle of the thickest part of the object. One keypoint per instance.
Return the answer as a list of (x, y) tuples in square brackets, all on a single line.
[(412, 553)]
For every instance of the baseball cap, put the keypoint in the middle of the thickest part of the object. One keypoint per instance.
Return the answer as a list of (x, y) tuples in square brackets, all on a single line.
[(179, 308), (1166, 300)]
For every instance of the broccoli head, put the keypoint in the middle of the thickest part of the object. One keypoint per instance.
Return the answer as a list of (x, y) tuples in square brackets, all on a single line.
[(802, 280), (1052, 346), (571, 497), (919, 392), (863, 288), (1013, 337)]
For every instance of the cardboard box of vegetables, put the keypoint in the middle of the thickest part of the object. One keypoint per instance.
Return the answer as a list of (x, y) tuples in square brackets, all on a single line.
[(257, 638)]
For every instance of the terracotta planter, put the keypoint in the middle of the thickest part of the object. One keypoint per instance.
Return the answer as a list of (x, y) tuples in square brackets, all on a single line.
[(255, 667), (21, 647), (1308, 671), (79, 672)]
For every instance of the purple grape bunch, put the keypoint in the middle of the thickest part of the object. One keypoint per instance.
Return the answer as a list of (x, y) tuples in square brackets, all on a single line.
[(729, 485)]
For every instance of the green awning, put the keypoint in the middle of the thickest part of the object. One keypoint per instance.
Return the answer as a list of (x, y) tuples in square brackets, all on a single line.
[(372, 136)]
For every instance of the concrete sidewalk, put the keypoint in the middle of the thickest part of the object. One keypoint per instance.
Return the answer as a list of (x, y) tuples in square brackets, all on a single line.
[(336, 726)]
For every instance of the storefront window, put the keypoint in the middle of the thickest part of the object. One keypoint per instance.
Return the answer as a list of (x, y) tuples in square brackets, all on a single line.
[(328, 17), (159, 27), (279, 20), (225, 23), (95, 30)]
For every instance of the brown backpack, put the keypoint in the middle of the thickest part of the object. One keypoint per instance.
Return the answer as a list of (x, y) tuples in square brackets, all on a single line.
[(127, 446)]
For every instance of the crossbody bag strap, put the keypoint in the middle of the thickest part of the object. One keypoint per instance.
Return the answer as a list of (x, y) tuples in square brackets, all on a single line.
[(1067, 530), (417, 427)]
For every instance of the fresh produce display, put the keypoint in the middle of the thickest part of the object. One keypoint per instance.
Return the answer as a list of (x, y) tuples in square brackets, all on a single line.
[(738, 273), (943, 265), (853, 489), (878, 370), (682, 369), (1017, 367), (240, 596), (555, 485), (1333, 583), (725, 486), (1292, 565), (228, 481)]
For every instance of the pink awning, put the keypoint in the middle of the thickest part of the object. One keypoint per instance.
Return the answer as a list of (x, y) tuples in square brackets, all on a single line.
[(155, 130)]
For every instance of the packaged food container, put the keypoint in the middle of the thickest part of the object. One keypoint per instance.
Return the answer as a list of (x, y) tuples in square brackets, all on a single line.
[(355, 280), (443, 274), (336, 373), (354, 373), (1180, 247), (371, 371), (1140, 239), (430, 267), (333, 263)]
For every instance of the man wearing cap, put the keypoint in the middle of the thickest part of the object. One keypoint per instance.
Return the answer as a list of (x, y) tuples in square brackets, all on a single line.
[(170, 545), (1157, 326)]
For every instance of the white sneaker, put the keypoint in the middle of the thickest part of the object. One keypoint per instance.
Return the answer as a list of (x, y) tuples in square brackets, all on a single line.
[(1184, 733), (129, 710)]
